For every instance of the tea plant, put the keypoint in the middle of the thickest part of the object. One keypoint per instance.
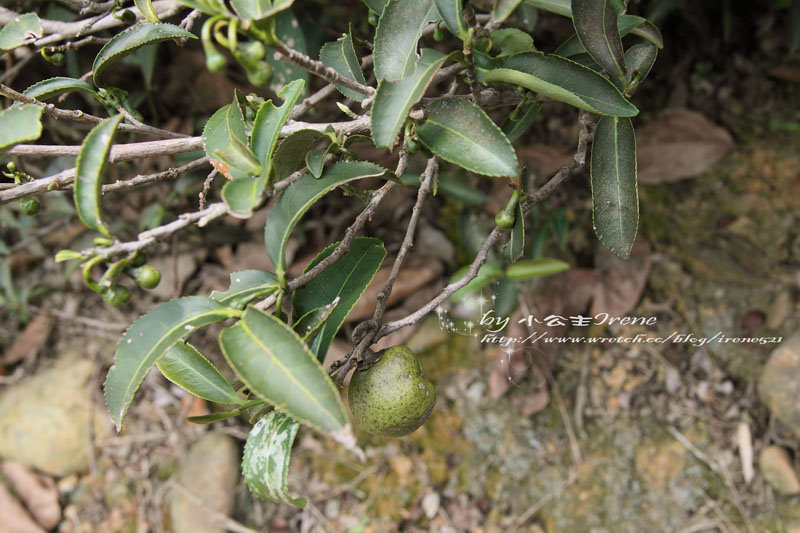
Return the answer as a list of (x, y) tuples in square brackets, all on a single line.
[(430, 93)]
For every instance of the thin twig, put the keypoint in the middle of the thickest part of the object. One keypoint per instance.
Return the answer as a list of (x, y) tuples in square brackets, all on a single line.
[(546, 190), (80, 116), (316, 67), (717, 469), (57, 31), (126, 152), (426, 183), (142, 179), (206, 187)]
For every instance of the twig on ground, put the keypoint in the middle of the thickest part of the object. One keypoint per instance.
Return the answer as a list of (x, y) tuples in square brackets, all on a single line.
[(717, 469)]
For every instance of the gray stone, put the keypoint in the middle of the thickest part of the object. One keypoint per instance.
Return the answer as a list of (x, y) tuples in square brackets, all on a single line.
[(207, 477), (44, 420), (779, 386), (776, 467)]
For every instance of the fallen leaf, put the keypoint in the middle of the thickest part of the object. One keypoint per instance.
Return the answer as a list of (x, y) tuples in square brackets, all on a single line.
[(620, 282), (531, 403), (418, 272), (679, 144), (39, 493), (546, 160), (29, 340)]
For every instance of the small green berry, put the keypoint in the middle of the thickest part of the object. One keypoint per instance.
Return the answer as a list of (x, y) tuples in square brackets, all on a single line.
[(146, 276), (29, 206), (505, 218), (373, 18), (11, 166), (117, 296), (438, 34)]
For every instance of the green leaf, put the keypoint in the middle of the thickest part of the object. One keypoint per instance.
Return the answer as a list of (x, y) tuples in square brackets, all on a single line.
[(24, 29), (243, 195), (595, 23), (315, 159), (89, 173), (265, 464), (452, 13), (615, 201), (341, 57), (277, 367), (565, 81), (291, 153), (246, 286), (269, 121), (299, 197), (560, 7), (394, 99), (460, 132), (222, 415), (147, 340), (399, 29), (503, 9), (346, 279), (535, 268), (289, 31), (251, 10), (649, 31), (511, 41), (451, 187), (376, 6), (487, 274), (57, 86), (514, 128), (626, 24), (20, 124), (187, 368), (129, 40), (516, 238), (145, 7), (640, 59), (225, 143)]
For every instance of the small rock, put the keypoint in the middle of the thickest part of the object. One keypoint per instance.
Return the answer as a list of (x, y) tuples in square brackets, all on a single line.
[(430, 504), (209, 472), (776, 467), (779, 386), (779, 311), (44, 420)]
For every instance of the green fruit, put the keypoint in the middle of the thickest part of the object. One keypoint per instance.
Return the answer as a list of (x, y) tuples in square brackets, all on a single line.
[(438, 34), (147, 277), (253, 52), (373, 18), (392, 397), (11, 166), (504, 219), (117, 296), (29, 206), (261, 75)]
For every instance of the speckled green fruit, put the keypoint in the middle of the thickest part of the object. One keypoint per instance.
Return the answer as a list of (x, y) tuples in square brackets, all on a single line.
[(392, 397)]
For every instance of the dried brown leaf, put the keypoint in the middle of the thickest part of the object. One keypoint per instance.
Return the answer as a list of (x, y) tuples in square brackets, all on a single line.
[(620, 282), (679, 144)]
